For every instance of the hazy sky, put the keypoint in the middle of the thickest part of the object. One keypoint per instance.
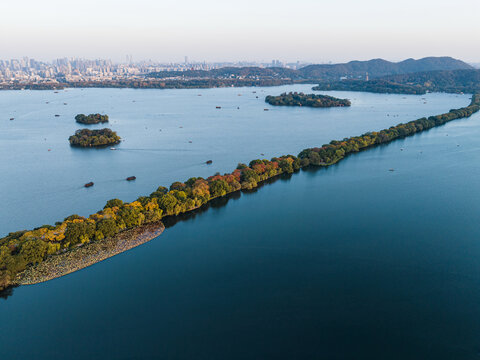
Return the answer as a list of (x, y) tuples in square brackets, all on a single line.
[(225, 30)]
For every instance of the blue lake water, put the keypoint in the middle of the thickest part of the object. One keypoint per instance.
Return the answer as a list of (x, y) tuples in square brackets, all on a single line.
[(353, 261)]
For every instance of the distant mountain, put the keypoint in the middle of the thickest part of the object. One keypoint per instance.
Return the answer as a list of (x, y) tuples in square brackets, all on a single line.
[(353, 69), (379, 67)]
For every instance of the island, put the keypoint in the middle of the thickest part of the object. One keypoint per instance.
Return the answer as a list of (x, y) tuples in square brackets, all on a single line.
[(91, 119), (50, 251), (94, 138), (301, 99)]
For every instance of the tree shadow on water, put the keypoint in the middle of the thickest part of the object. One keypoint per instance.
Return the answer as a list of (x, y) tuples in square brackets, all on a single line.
[(5, 294), (220, 202)]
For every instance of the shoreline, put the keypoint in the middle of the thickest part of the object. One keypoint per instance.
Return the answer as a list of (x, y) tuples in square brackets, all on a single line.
[(89, 254)]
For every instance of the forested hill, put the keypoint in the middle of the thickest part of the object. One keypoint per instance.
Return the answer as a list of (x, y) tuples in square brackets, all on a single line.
[(453, 81), (379, 67), (352, 69), (467, 81)]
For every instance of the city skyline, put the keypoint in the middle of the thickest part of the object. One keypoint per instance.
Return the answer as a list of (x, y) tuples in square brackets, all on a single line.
[(310, 31), (31, 71)]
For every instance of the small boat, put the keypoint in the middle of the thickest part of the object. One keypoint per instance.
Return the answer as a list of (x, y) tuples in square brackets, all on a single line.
[(112, 148), (88, 184), (262, 154), (254, 92), (56, 115), (391, 169), (401, 149), (55, 92), (49, 149), (12, 118), (46, 102), (265, 109), (190, 142), (218, 107), (65, 104), (130, 178), (208, 162), (256, 97)]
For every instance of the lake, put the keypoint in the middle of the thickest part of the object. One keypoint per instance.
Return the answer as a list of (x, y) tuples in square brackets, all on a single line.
[(352, 261)]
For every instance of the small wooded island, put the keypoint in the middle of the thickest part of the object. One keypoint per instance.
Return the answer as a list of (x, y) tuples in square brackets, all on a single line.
[(301, 99), (94, 138), (91, 119)]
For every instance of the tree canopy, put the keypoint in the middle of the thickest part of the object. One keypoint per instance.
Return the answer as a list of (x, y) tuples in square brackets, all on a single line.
[(91, 119), (301, 99), (92, 138)]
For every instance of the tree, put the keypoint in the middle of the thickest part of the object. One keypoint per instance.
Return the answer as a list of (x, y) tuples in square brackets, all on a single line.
[(113, 203), (108, 227), (34, 251), (167, 203)]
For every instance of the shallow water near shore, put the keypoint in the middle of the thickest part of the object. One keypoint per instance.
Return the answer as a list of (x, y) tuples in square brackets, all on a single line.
[(352, 261)]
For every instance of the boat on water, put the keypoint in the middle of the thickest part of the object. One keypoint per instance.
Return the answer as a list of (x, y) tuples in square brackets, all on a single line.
[(112, 148), (130, 178), (56, 115), (208, 162), (218, 107), (89, 184), (12, 118)]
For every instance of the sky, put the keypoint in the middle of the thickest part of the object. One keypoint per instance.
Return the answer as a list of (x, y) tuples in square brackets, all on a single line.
[(244, 30)]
